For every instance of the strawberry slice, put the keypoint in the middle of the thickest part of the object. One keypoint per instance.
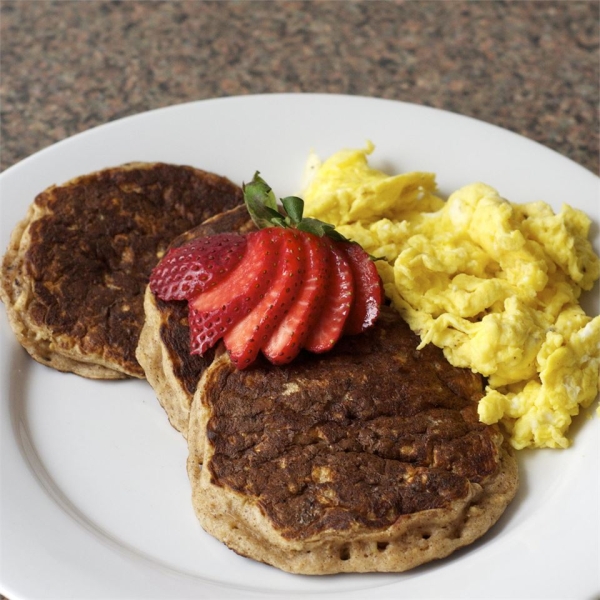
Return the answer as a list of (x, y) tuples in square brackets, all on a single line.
[(368, 294), (338, 303), (245, 339), (295, 283), (197, 266), (214, 312), (286, 341)]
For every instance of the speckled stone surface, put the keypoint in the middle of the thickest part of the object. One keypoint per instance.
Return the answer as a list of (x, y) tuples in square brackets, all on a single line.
[(531, 67)]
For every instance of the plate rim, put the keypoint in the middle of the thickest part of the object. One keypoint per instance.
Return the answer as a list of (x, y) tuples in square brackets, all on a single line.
[(271, 97)]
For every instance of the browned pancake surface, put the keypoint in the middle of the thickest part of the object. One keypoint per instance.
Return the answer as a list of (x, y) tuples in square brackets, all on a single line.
[(174, 330), (164, 345), (91, 245), (312, 441), (321, 465)]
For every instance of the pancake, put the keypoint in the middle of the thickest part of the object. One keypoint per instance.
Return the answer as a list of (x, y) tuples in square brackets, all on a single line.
[(74, 274), (164, 345), (368, 458)]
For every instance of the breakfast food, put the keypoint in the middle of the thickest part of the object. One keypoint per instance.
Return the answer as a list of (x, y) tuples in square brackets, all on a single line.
[(274, 290), (324, 435), (291, 284), (163, 349), (362, 454), (370, 457), (495, 284), (74, 275)]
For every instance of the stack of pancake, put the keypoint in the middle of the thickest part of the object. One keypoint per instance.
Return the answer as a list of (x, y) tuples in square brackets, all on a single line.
[(368, 458)]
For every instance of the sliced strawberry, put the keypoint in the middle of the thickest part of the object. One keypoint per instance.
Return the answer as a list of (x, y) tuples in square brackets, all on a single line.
[(368, 294), (214, 312), (245, 339), (197, 266), (206, 329), (287, 339), (338, 303)]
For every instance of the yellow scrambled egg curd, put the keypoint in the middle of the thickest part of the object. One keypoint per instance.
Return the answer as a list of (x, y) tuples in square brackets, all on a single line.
[(496, 285)]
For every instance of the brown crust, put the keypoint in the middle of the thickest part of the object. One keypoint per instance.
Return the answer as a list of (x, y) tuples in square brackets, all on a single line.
[(164, 345), (174, 330), (348, 448), (80, 262)]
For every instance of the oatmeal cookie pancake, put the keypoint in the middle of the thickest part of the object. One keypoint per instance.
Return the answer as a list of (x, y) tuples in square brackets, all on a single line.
[(74, 275), (367, 458), (164, 345)]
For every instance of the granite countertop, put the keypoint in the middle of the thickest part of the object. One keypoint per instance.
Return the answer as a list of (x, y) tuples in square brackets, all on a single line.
[(530, 67)]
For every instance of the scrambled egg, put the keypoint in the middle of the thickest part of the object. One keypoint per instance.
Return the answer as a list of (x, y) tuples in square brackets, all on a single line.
[(494, 284)]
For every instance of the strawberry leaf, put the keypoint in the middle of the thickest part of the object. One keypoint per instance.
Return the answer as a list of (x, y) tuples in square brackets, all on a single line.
[(320, 228), (262, 206), (261, 203), (294, 207)]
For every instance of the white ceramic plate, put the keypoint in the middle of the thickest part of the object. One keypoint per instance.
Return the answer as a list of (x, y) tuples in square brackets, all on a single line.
[(94, 499)]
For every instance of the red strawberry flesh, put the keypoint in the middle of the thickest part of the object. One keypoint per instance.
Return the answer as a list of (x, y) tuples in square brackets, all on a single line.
[(338, 303), (368, 294), (197, 266), (245, 340), (286, 341), (286, 287), (214, 312)]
